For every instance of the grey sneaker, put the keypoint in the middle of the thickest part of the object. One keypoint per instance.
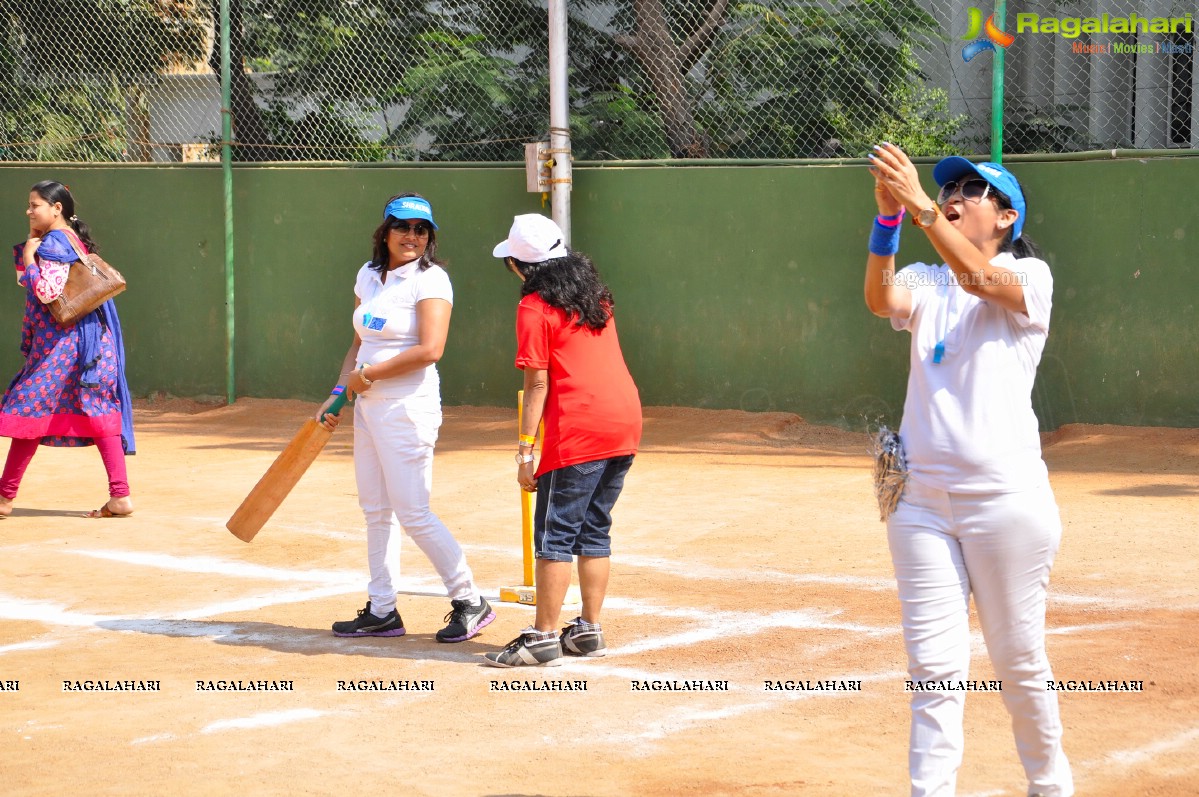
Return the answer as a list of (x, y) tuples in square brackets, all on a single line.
[(528, 650), (583, 639), (367, 624), (465, 621)]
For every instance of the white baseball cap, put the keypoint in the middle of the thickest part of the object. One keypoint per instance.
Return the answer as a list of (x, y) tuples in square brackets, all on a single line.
[(532, 239)]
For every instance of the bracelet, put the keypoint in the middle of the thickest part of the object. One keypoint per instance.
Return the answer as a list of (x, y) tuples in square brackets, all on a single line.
[(884, 239), (362, 376), (527, 439), (891, 221), (337, 391)]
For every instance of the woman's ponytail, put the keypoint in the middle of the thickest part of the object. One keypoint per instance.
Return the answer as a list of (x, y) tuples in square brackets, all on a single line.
[(84, 233)]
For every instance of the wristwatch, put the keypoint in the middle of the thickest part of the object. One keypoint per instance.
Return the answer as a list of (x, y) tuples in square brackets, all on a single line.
[(523, 459), (925, 218)]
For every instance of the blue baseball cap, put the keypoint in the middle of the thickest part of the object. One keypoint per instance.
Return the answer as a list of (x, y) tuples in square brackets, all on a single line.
[(410, 207), (1001, 179)]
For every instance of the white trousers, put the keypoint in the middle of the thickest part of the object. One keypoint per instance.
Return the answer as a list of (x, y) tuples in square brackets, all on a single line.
[(1000, 547), (393, 464)]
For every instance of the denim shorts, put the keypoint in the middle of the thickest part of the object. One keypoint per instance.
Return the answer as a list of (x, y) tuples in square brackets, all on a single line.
[(574, 509)]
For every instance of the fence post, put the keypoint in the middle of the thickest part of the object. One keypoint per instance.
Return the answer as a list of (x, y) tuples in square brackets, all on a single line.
[(997, 88), (560, 178), (227, 175)]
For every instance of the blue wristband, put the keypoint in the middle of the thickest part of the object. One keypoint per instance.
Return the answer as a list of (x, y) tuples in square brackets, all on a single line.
[(884, 240)]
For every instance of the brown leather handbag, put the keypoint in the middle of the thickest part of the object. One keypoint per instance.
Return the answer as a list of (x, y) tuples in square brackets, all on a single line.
[(90, 283)]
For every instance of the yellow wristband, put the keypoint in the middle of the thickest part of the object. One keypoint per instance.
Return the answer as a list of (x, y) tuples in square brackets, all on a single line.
[(527, 440)]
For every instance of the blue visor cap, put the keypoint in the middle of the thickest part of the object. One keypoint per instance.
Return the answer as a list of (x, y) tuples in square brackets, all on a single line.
[(1000, 178), (409, 207)]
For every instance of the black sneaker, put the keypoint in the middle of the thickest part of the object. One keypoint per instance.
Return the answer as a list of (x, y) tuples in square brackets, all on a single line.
[(466, 621), (366, 624), (528, 650), (583, 639)]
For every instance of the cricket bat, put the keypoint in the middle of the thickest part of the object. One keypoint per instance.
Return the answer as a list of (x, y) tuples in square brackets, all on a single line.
[(282, 476)]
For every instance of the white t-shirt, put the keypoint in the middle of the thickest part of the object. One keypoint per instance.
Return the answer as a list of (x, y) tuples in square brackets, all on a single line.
[(385, 320), (968, 423)]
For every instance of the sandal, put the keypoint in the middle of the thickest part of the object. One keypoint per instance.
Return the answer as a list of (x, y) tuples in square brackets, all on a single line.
[(104, 511)]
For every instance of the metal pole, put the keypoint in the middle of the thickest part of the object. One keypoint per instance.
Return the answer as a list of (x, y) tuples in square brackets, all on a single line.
[(560, 175), (227, 173), (997, 89)]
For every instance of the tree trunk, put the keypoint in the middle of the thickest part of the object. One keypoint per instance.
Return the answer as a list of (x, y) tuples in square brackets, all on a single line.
[(666, 64)]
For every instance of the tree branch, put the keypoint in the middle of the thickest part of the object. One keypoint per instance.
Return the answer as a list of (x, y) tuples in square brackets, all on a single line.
[(698, 42)]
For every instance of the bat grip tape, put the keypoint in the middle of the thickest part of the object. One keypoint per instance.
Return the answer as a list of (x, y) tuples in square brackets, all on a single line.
[(337, 405)]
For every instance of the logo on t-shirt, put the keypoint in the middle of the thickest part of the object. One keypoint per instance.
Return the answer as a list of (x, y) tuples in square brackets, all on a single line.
[(373, 322)]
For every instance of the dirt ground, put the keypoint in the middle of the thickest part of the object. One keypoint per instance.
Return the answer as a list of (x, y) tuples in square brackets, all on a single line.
[(747, 549)]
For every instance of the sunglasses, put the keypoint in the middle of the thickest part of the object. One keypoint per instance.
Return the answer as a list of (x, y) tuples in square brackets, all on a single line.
[(973, 190), (420, 228)]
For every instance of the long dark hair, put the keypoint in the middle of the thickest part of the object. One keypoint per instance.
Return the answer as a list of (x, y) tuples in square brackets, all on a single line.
[(380, 257), (53, 192), (1023, 246), (570, 283)]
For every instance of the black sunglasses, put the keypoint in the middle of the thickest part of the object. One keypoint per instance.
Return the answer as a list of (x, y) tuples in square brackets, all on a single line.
[(973, 190), (420, 228)]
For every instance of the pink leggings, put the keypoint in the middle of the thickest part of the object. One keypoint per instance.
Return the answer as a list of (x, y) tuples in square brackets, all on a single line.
[(21, 452)]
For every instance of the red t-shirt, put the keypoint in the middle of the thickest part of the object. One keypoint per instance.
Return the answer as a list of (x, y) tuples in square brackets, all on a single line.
[(592, 410)]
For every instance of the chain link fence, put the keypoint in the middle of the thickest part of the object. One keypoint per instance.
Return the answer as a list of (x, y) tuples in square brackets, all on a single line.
[(1090, 75), (446, 80)]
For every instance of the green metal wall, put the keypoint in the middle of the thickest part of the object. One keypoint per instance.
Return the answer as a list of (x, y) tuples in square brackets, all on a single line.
[(736, 286)]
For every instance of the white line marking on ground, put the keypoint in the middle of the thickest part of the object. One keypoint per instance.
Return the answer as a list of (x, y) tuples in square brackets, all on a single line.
[(696, 571), (747, 625), (1081, 629), (159, 737), (266, 720), (224, 567), (33, 644), (347, 580), (38, 611), (1142, 755), (256, 602), (693, 570), (311, 528), (687, 717), (689, 570)]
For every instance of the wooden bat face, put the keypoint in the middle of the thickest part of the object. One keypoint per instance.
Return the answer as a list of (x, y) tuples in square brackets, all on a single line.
[(281, 477)]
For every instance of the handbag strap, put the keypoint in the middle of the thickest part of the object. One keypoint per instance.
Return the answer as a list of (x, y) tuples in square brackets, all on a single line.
[(76, 244)]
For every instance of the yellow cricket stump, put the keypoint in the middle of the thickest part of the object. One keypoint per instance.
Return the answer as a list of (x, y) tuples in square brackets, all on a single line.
[(526, 591)]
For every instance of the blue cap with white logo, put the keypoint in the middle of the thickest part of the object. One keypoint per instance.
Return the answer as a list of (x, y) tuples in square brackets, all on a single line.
[(410, 207), (1001, 179)]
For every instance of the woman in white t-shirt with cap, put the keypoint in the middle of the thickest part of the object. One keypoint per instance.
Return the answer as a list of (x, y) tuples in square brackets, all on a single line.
[(977, 515), (401, 320)]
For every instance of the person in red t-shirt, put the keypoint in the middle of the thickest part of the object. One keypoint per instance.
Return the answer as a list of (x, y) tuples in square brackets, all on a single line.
[(576, 381)]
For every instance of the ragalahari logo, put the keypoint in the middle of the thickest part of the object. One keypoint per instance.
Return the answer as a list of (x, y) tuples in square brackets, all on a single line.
[(992, 35)]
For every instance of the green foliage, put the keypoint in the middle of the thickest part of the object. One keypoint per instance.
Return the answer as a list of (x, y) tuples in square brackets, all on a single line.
[(796, 80), (465, 101), (462, 80), (67, 70), (920, 125), (610, 124), (1029, 128)]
